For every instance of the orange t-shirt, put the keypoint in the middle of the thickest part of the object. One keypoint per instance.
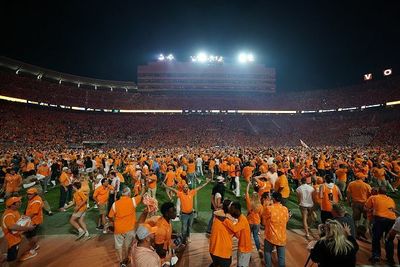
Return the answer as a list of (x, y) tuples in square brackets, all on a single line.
[(64, 179), (10, 217), (283, 182), (35, 210), (124, 213), (253, 216), (326, 203), (264, 186), (191, 167), (378, 173), (13, 182), (242, 232), (359, 191), (247, 173), (79, 198), (341, 174), (153, 181), (30, 166), (170, 178), (164, 232), (43, 170), (381, 205), (275, 218), (101, 194), (220, 240), (186, 200)]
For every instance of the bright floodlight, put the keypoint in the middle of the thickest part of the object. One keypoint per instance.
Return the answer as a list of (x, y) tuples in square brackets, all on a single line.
[(161, 57), (170, 57), (242, 57), (245, 57), (202, 57)]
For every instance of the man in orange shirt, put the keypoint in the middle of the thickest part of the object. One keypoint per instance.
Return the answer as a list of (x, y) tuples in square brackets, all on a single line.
[(100, 196), (221, 239), (329, 194), (248, 172), (123, 213), (242, 232), (191, 174), (77, 219), (12, 230), (357, 194), (43, 171), (34, 210), (186, 199), (341, 175), (169, 180), (65, 182), (275, 219), (12, 183), (382, 207), (164, 229), (282, 186)]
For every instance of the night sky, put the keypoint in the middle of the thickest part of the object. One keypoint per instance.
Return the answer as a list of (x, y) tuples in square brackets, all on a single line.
[(316, 44)]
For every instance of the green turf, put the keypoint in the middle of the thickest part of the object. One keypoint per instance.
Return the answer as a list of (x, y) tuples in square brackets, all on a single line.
[(59, 222)]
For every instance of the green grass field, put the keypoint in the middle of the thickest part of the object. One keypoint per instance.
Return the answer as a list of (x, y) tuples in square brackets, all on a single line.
[(58, 223)]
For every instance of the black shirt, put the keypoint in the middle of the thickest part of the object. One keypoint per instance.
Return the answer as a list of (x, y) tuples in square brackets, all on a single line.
[(322, 255), (347, 219)]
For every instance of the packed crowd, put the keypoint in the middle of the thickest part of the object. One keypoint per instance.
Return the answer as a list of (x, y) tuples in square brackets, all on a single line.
[(372, 92), (26, 125), (118, 180)]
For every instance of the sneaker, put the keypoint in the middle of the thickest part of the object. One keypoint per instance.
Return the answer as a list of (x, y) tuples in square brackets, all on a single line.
[(86, 234), (29, 255), (100, 227), (105, 231), (36, 247), (122, 264), (80, 235), (53, 183), (95, 206), (188, 240), (50, 213)]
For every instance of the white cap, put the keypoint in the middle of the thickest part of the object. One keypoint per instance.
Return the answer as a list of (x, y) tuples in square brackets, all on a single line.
[(220, 179)]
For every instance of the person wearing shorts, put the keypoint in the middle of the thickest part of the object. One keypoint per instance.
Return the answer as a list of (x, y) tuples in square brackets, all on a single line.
[(34, 210), (123, 213), (78, 217), (100, 196), (12, 231)]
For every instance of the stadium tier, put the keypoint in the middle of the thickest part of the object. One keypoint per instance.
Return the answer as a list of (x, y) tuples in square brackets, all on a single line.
[(27, 86), (189, 76)]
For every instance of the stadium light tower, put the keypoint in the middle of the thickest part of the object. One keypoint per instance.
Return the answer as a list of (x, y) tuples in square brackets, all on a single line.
[(202, 57), (161, 57), (245, 57)]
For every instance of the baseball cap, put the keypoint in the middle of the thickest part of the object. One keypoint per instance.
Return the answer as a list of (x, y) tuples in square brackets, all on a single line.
[(32, 190), (220, 179), (12, 200), (144, 230), (65, 168)]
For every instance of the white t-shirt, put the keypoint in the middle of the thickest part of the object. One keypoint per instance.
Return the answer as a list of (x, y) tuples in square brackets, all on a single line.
[(199, 162), (306, 191)]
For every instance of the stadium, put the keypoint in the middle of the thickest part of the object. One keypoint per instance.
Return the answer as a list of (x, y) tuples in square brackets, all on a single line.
[(198, 160)]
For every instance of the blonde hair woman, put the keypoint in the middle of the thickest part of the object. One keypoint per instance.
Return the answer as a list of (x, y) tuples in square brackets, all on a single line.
[(336, 248), (254, 213)]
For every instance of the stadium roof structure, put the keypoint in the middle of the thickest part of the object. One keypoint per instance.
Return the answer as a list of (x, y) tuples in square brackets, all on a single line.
[(18, 66)]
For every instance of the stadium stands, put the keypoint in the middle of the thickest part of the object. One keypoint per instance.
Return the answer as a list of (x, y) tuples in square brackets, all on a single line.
[(372, 92)]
